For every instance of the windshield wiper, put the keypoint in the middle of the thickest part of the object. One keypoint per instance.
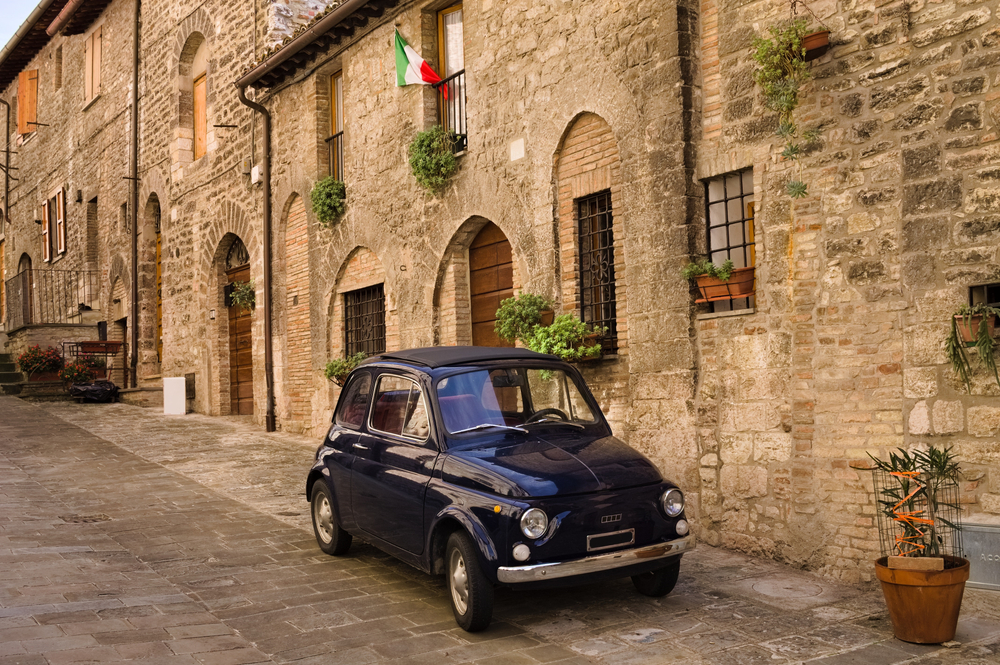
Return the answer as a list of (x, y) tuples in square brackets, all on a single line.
[(557, 421), (486, 425)]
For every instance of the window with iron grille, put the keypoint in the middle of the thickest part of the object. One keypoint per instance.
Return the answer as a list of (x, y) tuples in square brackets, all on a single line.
[(364, 320), (729, 210), (597, 266)]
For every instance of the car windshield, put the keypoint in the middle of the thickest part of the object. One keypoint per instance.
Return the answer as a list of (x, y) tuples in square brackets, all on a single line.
[(511, 398)]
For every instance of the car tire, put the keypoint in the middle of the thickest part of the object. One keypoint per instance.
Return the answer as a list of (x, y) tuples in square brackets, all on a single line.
[(470, 592), (659, 582), (331, 538)]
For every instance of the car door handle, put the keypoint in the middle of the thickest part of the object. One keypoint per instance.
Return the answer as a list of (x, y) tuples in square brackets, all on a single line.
[(361, 446)]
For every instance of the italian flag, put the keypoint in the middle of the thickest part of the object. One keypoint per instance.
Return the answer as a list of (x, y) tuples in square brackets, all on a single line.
[(410, 67)]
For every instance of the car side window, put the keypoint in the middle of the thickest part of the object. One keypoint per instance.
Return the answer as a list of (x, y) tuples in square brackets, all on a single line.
[(355, 403), (399, 408)]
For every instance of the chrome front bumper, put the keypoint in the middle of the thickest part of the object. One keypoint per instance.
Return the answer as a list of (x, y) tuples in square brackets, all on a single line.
[(593, 564)]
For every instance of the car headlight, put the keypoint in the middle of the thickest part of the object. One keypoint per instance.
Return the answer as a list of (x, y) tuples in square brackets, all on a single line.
[(534, 522), (672, 502)]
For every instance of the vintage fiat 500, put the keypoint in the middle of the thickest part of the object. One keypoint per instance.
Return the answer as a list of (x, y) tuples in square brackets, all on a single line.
[(494, 467)]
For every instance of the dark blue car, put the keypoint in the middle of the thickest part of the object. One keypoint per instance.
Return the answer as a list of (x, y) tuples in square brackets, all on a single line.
[(494, 467)]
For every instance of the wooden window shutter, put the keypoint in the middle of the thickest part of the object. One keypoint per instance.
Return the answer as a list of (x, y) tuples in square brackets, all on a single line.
[(27, 102), (200, 116), (92, 65), (61, 221), (97, 37), (46, 242)]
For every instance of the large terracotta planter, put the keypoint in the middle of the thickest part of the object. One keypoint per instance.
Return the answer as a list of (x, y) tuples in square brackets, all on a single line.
[(971, 331), (924, 604), (39, 377), (816, 44), (100, 347), (739, 285)]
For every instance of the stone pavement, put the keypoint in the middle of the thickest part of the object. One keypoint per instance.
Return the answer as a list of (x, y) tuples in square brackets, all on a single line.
[(126, 535)]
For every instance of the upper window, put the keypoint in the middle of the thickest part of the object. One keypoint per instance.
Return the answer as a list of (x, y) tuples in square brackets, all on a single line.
[(27, 101), (729, 212), (92, 64), (399, 408), (364, 320), (451, 89), (598, 305), (354, 403), (54, 225), (336, 140), (985, 294), (199, 101)]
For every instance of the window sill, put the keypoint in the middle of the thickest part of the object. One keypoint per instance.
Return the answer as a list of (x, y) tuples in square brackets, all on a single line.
[(91, 102), (720, 315)]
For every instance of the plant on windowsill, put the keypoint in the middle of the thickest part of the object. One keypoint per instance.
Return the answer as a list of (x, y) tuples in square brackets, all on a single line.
[(37, 363), (328, 200), (519, 315), (781, 71), (243, 295), (921, 570), (338, 369), (568, 337), (77, 372), (432, 159), (973, 326), (724, 282)]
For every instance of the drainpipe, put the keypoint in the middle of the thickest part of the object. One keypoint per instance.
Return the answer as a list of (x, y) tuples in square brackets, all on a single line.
[(134, 180), (269, 424), (6, 175)]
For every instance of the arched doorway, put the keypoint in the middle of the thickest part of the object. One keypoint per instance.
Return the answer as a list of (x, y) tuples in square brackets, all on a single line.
[(27, 295), (491, 280), (240, 334)]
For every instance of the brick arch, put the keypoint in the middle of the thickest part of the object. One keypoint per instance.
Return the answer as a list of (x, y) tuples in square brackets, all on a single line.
[(151, 182), (197, 22), (232, 219), (452, 295), (119, 270), (588, 162), (362, 267), (195, 31)]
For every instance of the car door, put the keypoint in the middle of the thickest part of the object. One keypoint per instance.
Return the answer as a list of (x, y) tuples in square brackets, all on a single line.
[(338, 455), (393, 462)]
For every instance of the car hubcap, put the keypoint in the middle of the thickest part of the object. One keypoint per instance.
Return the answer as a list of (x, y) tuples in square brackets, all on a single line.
[(459, 582), (323, 515)]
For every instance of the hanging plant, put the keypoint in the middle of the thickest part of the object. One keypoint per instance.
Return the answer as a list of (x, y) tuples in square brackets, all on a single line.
[(243, 295), (518, 316), (781, 71), (338, 369), (973, 327), (328, 200), (432, 157), (568, 337)]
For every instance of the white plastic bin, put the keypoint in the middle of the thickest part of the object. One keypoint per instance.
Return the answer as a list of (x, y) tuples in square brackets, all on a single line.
[(174, 396)]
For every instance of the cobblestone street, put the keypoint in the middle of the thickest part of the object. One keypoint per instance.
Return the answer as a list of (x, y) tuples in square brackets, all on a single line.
[(126, 535)]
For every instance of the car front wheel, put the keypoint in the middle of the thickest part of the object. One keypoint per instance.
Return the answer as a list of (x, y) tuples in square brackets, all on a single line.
[(471, 593), (331, 538), (658, 582)]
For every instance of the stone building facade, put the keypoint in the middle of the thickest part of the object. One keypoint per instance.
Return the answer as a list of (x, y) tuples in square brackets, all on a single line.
[(764, 411)]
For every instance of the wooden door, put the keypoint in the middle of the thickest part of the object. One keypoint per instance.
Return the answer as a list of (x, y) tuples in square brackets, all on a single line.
[(491, 273), (240, 352)]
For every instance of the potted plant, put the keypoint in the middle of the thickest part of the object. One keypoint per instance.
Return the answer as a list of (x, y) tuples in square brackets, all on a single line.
[(568, 337), (77, 372), (432, 157), (921, 570), (724, 282), (781, 71), (328, 198), (243, 295), (338, 369), (517, 316), (96, 363), (40, 365), (968, 330)]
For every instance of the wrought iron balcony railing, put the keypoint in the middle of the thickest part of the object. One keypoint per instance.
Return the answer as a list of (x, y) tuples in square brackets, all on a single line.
[(451, 107), (51, 296), (335, 144)]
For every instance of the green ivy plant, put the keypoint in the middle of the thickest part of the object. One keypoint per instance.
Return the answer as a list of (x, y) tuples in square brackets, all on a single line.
[(565, 339), (243, 295), (985, 345), (328, 200), (432, 159), (519, 315), (781, 71), (706, 267), (338, 369)]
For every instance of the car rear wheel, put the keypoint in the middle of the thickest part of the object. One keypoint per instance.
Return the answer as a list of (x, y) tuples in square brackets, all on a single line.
[(331, 538), (658, 582), (471, 593)]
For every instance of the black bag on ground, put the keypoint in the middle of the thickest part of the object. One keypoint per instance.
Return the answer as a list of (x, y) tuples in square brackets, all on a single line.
[(98, 391)]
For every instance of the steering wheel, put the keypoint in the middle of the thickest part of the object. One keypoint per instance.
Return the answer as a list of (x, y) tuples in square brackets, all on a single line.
[(538, 415)]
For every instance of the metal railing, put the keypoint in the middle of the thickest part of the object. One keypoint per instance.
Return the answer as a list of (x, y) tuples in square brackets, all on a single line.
[(50, 296), (335, 144), (451, 107)]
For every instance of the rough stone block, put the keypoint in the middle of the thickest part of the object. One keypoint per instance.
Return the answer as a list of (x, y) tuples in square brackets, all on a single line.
[(743, 482), (983, 420), (772, 447), (948, 417), (943, 194), (749, 417), (990, 503), (919, 419), (736, 448), (924, 344)]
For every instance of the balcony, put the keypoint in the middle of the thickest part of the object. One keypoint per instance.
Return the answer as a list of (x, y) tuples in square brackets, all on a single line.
[(451, 107), (50, 296), (335, 145)]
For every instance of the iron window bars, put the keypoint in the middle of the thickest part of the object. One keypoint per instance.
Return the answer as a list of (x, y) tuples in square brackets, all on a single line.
[(597, 266), (451, 108), (729, 215), (335, 145), (364, 320)]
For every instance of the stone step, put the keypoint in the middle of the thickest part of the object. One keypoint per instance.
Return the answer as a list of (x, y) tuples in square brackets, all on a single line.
[(7, 367), (11, 377), (6, 358)]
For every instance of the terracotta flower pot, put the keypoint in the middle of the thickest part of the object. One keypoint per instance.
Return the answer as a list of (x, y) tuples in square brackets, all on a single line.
[(816, 44), (971, 331), (44, 376), (100, 347), (739, 285), (548, 316), (589, 340), (924, 604)]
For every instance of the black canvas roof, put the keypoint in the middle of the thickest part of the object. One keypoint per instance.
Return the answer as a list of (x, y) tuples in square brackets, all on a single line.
[(446, 356)]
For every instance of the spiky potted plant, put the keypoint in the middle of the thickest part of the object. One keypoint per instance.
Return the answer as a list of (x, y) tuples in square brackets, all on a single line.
[(973, 326), (921, 570)]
